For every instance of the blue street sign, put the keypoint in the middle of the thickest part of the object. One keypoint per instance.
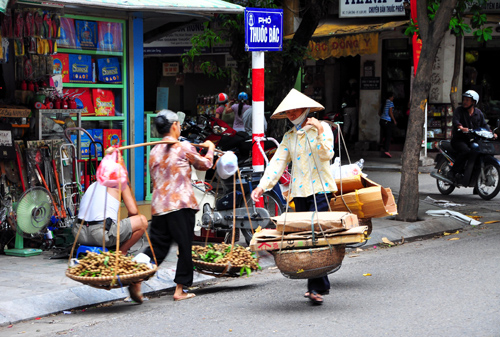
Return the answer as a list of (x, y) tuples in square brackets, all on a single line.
[(263, 29)]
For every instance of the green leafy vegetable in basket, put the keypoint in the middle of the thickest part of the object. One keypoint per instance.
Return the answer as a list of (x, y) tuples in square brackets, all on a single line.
[(222, 254)]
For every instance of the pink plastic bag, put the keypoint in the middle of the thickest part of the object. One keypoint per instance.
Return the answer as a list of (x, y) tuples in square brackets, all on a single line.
[(112, 172)]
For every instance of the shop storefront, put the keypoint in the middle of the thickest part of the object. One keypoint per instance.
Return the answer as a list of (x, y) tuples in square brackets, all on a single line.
[(76, 64), (357, 62), (480, 72)]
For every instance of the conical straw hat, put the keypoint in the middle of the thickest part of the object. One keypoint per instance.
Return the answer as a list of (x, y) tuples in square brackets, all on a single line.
[(295, 100)]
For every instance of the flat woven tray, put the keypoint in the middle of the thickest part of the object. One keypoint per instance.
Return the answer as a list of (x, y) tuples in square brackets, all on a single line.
[(106, 282), (217, 269)]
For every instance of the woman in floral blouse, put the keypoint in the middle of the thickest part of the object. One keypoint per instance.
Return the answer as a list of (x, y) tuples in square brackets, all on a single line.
[(310, 152), (173, 203)]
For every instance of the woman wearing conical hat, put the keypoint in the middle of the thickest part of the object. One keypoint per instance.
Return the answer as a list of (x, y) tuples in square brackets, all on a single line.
[(310, 151)]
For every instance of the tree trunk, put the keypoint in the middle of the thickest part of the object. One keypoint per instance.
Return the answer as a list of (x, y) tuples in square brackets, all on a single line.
[(456, 72), (431, 33)]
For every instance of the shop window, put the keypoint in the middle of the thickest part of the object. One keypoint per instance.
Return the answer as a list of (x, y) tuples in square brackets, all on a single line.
[(480, 74)]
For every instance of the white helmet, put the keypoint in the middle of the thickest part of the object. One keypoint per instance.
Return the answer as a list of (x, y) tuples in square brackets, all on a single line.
[(472, 94)]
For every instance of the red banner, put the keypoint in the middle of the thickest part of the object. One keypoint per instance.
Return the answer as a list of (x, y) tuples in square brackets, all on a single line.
[(417, 43)]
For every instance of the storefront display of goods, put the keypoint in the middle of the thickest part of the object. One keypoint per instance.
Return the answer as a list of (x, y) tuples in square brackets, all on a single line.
[(206, 104), (224, 260)]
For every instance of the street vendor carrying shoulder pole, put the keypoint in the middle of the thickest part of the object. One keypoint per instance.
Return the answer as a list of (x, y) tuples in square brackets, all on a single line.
[(312, 180), (173, 204)]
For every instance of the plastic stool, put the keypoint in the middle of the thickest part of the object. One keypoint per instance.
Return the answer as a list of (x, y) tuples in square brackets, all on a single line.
[(94, 249)]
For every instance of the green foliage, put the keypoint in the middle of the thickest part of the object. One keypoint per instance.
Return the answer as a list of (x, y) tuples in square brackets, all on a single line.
[(457, 24), (231, 30)]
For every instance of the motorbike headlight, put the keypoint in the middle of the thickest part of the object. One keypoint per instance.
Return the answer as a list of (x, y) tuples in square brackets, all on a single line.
[(219, 130)]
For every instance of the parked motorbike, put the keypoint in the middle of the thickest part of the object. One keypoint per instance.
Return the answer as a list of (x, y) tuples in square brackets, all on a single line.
[(225, 138), (482, 170), (231, 208)]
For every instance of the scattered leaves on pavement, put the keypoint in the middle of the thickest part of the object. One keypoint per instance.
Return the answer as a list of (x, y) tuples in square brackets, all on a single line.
[(367, 274), (492, 221), (387, 241), (452, 239)]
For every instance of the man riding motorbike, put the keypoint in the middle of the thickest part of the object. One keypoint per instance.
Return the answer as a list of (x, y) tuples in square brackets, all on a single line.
[(466, 117)]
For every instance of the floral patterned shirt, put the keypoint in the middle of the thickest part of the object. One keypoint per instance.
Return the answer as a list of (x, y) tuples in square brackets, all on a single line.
[(311, 172), (170, 168)]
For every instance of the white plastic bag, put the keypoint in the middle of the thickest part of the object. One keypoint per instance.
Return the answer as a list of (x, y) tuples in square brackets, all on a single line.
[(227, 165), (344, 171)]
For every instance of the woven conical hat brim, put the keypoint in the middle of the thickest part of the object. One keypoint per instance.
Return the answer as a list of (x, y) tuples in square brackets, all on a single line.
[(295, 100)]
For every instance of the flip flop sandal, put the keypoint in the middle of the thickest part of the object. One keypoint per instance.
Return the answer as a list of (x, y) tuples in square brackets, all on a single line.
[(314, 300), (189, 295), (327, 292)]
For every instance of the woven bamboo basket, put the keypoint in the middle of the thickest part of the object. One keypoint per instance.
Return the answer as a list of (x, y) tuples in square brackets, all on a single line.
[(106, 282), (217, 269), (366, 222), (308, 263)]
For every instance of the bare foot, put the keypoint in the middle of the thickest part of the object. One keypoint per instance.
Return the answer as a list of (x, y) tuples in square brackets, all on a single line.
[(183, 296), (135, 292)]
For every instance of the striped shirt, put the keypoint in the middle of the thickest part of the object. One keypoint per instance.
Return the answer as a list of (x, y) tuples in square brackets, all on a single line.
[(385, 115)]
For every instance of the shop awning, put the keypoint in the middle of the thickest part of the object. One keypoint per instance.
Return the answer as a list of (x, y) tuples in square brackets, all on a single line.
[(348, 37), (162, 6), (348, 27)]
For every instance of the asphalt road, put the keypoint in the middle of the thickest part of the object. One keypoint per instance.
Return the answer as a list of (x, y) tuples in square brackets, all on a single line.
[(446, 286), (468, 203)]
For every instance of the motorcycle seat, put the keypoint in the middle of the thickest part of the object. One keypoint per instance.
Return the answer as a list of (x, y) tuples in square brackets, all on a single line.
[(445, 145)]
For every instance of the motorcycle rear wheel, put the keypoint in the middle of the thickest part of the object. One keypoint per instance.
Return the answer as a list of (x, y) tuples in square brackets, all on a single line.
[(443, 187), (490, 186), (273, 206)]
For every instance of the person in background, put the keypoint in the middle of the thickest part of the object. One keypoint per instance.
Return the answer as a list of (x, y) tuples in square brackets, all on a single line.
[(387, 121), (99, 203), (466, 117), (239, 109), (221, 100), (248, 120), (313, 183), (173, 204), (351, 111)]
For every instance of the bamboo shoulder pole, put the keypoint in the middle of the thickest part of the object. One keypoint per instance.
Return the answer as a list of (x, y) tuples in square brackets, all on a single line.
[(110, 150)]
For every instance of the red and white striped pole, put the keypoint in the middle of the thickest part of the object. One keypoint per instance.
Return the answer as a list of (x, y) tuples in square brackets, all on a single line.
[(257, 109)]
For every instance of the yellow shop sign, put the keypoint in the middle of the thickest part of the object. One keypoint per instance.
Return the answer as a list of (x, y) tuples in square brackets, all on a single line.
[(347, 45)]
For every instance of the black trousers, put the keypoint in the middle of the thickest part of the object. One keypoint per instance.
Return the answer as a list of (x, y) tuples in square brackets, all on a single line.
[(464, 151), (386, 131), (320, 284), (177, 226)]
